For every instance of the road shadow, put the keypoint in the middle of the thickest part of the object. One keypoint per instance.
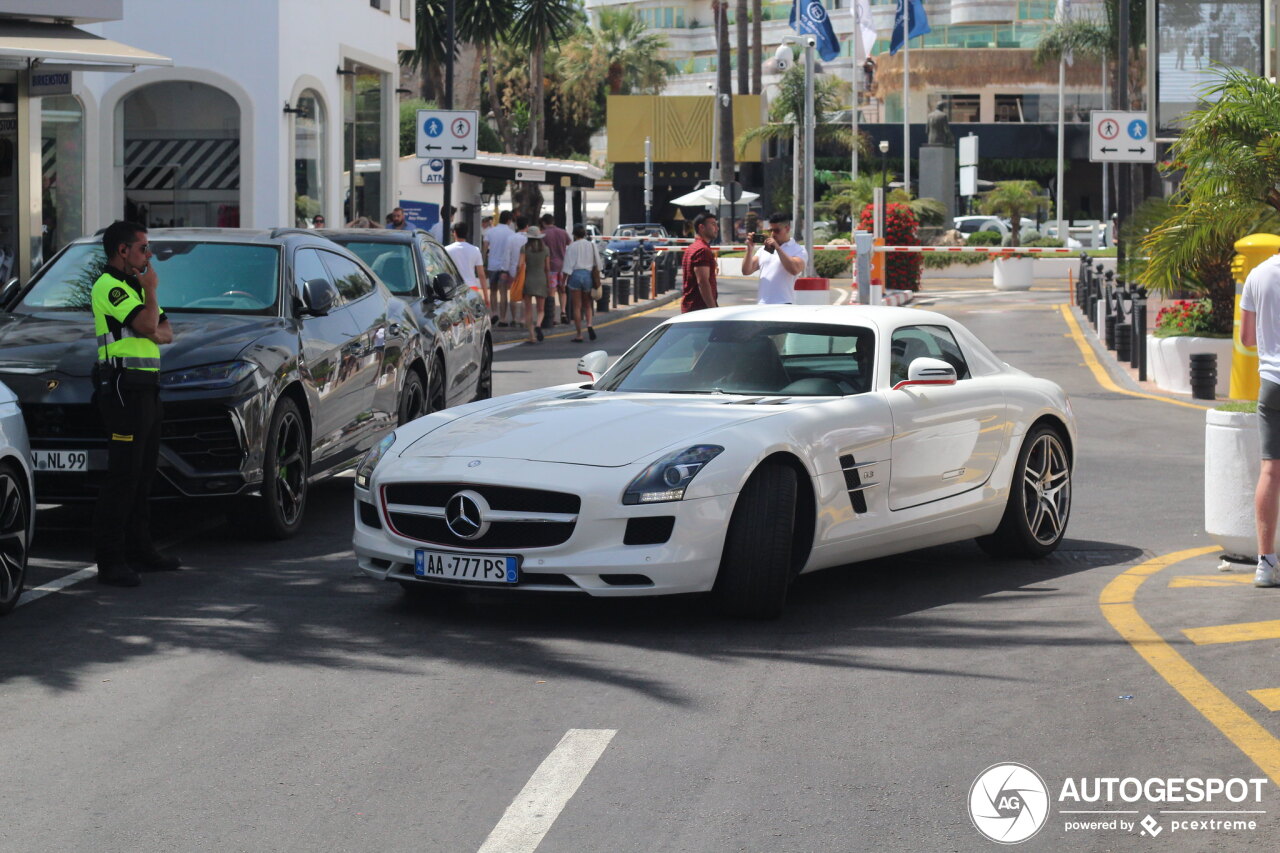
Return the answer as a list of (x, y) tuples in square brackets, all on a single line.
[(303, 602)]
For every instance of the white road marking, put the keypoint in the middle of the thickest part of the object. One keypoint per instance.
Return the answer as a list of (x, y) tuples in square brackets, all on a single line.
[(533, 811), (38, 592)]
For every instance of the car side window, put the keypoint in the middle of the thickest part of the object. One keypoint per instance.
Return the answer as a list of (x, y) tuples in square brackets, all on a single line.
[(437, 261), (307, 266), (352, 282), (911, 342)]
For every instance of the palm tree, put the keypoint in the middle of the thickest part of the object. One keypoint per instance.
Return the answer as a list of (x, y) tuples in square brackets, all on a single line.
[(828, 96), (847, 199), (621, 51), (741, 23), (540, 24), (428, 54), (485, 23), (1230, 154), (1012, 199), (724, 92), (757, 51)]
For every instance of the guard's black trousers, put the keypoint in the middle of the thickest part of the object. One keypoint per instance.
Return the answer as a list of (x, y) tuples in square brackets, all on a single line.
[(131, 413)]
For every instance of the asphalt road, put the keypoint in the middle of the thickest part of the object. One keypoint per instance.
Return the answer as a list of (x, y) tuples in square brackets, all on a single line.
[(269, 697)]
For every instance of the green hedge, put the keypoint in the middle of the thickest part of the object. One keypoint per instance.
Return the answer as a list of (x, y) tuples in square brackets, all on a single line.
[(984, 238), (832, 264)]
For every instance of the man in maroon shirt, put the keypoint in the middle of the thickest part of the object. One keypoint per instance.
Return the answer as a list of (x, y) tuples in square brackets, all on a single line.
[(556, 239), (699, 266)]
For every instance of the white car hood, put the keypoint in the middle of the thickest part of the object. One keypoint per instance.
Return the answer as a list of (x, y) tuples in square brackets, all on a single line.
[(606, 429)]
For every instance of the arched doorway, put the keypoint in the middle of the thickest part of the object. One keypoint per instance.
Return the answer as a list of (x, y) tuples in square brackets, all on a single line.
[(181, 146)]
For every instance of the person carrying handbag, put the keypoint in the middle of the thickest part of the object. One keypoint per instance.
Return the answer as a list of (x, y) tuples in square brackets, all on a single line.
[(582, 265)]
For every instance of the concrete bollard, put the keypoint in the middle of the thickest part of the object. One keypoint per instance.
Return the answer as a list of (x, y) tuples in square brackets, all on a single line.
[(812, 291)]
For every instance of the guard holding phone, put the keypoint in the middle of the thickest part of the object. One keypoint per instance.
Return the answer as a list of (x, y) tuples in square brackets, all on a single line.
[(130, 326), (780, 266)]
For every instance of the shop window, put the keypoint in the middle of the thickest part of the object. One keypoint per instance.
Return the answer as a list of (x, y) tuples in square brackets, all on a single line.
[(61, 171), (363, 142), (1009, 108), (962, 107), (308, 157)]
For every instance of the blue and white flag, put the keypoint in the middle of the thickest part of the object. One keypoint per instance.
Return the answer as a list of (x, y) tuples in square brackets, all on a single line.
[(864, 25), (919, 24), (809, 17)]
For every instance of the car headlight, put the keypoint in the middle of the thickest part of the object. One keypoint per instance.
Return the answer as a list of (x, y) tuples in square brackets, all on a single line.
[(222, 375), (371, 459), (667, 479)]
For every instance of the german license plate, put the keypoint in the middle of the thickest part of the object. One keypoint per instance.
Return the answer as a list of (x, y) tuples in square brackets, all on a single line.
[(60, 460), (451, 565)]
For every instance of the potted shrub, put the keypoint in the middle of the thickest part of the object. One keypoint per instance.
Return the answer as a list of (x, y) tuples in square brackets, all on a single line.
[(901, 228), (1182, 329), (1012, 199), (1232, 458)]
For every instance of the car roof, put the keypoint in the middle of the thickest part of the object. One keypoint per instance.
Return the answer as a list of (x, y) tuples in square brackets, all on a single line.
[(265, 236), (372, 235)]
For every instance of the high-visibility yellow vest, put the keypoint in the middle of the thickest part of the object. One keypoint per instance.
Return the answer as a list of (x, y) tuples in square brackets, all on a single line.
[(115, 302)]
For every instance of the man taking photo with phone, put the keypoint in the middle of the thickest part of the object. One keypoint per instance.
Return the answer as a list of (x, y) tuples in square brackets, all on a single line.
[(780, 264)]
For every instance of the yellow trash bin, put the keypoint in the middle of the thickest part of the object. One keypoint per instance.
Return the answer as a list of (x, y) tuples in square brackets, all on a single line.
[(1252, 250)]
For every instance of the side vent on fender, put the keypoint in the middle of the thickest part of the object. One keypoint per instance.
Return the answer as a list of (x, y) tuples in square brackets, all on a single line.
[(857, 479)]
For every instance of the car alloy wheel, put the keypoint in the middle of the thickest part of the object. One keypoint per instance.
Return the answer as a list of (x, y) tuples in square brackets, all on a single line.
[(15, 529), (436, 400), (1039, 504), (413, 398), (286, 468)]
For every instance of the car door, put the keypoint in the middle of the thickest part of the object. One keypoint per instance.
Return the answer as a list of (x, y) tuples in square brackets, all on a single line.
[(365, 350), (946, 438), (325, 360), (455, 327)]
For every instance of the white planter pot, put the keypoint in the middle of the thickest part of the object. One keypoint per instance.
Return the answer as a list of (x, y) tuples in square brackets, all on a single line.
[(1232, 453), (1169, 362), (1014, 273)]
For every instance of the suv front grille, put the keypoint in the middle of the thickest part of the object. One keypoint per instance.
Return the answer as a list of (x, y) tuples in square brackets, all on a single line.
[(532, 518)]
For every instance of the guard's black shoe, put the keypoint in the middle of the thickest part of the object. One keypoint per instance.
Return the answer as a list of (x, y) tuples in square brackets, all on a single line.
[(154, 561), (117, 573)]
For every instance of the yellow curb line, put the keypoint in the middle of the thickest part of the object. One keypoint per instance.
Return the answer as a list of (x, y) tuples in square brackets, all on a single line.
[(1100, 373), (1117, 603)]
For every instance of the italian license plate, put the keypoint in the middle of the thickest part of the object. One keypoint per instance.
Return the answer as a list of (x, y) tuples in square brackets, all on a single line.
[(451, 565), (60, 460)]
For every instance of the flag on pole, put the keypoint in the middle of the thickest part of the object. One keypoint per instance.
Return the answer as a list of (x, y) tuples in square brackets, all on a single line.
[(1062, 15), (809, 17), (919, 24), (864, 24)]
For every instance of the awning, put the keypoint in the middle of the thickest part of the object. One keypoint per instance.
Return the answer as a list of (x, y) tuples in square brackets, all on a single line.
[(65, 43)]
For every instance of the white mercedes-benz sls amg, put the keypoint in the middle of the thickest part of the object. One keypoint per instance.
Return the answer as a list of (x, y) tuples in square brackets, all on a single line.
[(728, 451)]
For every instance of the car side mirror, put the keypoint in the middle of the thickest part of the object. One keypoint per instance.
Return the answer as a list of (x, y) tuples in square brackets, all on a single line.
[(8, 292), (318, 297), (928, 371), (594, 364), (444, 286)]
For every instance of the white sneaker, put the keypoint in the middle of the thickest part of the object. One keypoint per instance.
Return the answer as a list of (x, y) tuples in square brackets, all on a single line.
[(1266, 575)]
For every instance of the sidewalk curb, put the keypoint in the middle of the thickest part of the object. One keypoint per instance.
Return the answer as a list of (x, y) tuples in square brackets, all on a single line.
[(514, 334)]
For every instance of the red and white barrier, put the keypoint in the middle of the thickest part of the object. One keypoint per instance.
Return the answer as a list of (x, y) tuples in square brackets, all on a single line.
[(811, 291)]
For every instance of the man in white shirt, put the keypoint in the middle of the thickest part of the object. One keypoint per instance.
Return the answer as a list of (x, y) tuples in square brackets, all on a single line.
[(466, 257), (1260, 327), (779, 264), (500, 237)]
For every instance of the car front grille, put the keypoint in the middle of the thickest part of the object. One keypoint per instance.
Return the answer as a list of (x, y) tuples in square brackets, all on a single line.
[(62, 421), (529, 518)]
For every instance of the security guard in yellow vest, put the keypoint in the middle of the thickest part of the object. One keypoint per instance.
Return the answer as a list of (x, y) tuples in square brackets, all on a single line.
[(130, 325)]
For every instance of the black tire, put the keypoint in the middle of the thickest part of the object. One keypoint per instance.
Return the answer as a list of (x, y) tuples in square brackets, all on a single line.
[(413, 399), (1035, 518), (286, 469), (15, 535), (756, 570), (437, 393), (484, 384)]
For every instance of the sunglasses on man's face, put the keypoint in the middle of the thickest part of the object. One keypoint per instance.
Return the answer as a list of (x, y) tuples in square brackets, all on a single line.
[(145, 247)]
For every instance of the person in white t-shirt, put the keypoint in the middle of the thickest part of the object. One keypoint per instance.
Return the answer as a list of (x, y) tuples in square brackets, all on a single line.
[(781, 262), (466, 257), (1260, 327)]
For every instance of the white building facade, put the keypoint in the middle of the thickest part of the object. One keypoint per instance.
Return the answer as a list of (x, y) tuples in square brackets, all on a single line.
[(272, 111)]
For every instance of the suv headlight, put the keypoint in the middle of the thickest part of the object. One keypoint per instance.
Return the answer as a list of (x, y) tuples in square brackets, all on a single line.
[(371, 459), (223, 375), (667, 479)]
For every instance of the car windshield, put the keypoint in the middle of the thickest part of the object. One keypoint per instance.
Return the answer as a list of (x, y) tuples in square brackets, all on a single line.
[(391, 262), (640, 231), (206, 278), (748, 357)]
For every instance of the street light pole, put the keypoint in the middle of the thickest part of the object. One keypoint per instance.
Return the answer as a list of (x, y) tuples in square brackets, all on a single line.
[(810, 128)]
